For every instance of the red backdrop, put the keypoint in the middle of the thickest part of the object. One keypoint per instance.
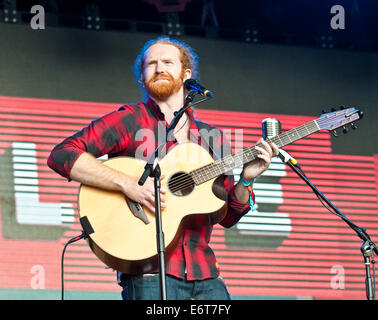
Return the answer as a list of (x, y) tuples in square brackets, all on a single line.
[(291, 247)]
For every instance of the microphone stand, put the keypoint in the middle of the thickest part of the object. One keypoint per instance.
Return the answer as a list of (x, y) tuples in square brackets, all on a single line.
[(152, 169), (368, 247)]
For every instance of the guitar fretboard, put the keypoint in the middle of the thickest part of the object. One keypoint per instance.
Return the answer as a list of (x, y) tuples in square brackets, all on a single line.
[(227, 163)]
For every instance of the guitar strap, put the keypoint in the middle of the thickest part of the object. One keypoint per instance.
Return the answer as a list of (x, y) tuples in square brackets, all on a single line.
[(207, 140)]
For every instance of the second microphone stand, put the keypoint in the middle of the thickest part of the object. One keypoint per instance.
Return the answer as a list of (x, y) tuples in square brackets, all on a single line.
[(368, 247)]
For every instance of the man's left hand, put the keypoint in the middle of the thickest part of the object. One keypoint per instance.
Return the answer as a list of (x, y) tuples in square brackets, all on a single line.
[(255, 168)]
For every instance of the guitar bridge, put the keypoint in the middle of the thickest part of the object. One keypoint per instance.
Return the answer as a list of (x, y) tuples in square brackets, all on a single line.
[(137, 210)]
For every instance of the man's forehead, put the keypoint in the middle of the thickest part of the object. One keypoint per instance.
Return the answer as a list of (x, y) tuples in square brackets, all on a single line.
[(162, 49)]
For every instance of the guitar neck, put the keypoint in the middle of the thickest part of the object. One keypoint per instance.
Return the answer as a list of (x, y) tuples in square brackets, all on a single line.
[(230, 162)]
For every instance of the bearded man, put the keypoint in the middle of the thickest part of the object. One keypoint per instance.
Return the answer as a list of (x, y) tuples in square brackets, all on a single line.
[(161, 69)]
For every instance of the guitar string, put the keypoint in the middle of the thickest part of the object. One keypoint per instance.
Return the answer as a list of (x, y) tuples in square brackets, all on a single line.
[(187, 181), (249, 153), (212, 169)]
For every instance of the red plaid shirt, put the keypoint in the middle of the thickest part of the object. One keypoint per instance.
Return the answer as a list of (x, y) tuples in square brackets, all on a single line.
[(115, 134)]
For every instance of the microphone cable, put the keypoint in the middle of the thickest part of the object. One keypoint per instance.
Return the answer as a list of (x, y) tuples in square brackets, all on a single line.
[(72, 240)]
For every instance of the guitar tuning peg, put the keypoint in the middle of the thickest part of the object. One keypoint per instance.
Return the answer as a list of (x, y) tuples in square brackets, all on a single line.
[(342, 107), (354, 127), (345, 129), (335, 134), (333, 109)]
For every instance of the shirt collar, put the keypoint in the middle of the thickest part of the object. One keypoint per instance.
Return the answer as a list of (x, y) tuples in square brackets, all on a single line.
[(155, 107), (193, 129)]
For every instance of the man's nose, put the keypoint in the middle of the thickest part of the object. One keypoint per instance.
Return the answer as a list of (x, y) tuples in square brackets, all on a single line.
[(160, 68)]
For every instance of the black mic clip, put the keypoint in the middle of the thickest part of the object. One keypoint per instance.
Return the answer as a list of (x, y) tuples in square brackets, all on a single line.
[(194, 85)]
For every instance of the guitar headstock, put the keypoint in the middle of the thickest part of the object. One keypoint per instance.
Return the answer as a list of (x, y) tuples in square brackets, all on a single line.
[(337, 119)]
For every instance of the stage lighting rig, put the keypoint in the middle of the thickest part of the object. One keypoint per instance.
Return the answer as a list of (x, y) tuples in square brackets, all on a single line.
[(173, 27), (93, 20), (327, 42), (251, 35), (10, 11)]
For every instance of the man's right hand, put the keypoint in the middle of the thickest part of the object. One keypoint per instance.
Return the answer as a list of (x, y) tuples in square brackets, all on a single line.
[(145, 195)]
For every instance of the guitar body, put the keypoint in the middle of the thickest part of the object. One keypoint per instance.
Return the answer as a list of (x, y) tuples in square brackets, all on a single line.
[(125, 241)]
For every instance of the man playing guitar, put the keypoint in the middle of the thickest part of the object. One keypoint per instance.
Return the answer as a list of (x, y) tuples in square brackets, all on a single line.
[(161, 68)]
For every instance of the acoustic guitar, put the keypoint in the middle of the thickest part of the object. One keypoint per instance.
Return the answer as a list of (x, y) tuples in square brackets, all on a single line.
[(122, 233)]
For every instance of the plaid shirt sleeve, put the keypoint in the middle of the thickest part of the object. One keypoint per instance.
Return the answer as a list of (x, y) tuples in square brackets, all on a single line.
[(236, 209), (100, 137), (222, 147)]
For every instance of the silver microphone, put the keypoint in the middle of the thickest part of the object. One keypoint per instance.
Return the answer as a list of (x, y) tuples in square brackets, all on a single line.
[(271, 127)]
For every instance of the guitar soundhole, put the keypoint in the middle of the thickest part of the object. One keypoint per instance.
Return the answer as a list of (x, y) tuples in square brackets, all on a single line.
[(181, 184)]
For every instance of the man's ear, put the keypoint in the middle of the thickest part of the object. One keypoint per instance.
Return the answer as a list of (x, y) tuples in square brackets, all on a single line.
[(187, 74)]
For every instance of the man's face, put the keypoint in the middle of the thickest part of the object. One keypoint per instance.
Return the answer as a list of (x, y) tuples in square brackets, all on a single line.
[(163, 74)]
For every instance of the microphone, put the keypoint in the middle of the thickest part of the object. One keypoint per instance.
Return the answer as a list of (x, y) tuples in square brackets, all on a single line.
[(271, 127), (194, 85)]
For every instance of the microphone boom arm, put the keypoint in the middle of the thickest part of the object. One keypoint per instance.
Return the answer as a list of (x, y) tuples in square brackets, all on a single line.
[(368, 246)]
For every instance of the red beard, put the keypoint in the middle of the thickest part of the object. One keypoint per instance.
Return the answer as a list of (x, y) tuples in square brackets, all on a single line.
[(162, 90)]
